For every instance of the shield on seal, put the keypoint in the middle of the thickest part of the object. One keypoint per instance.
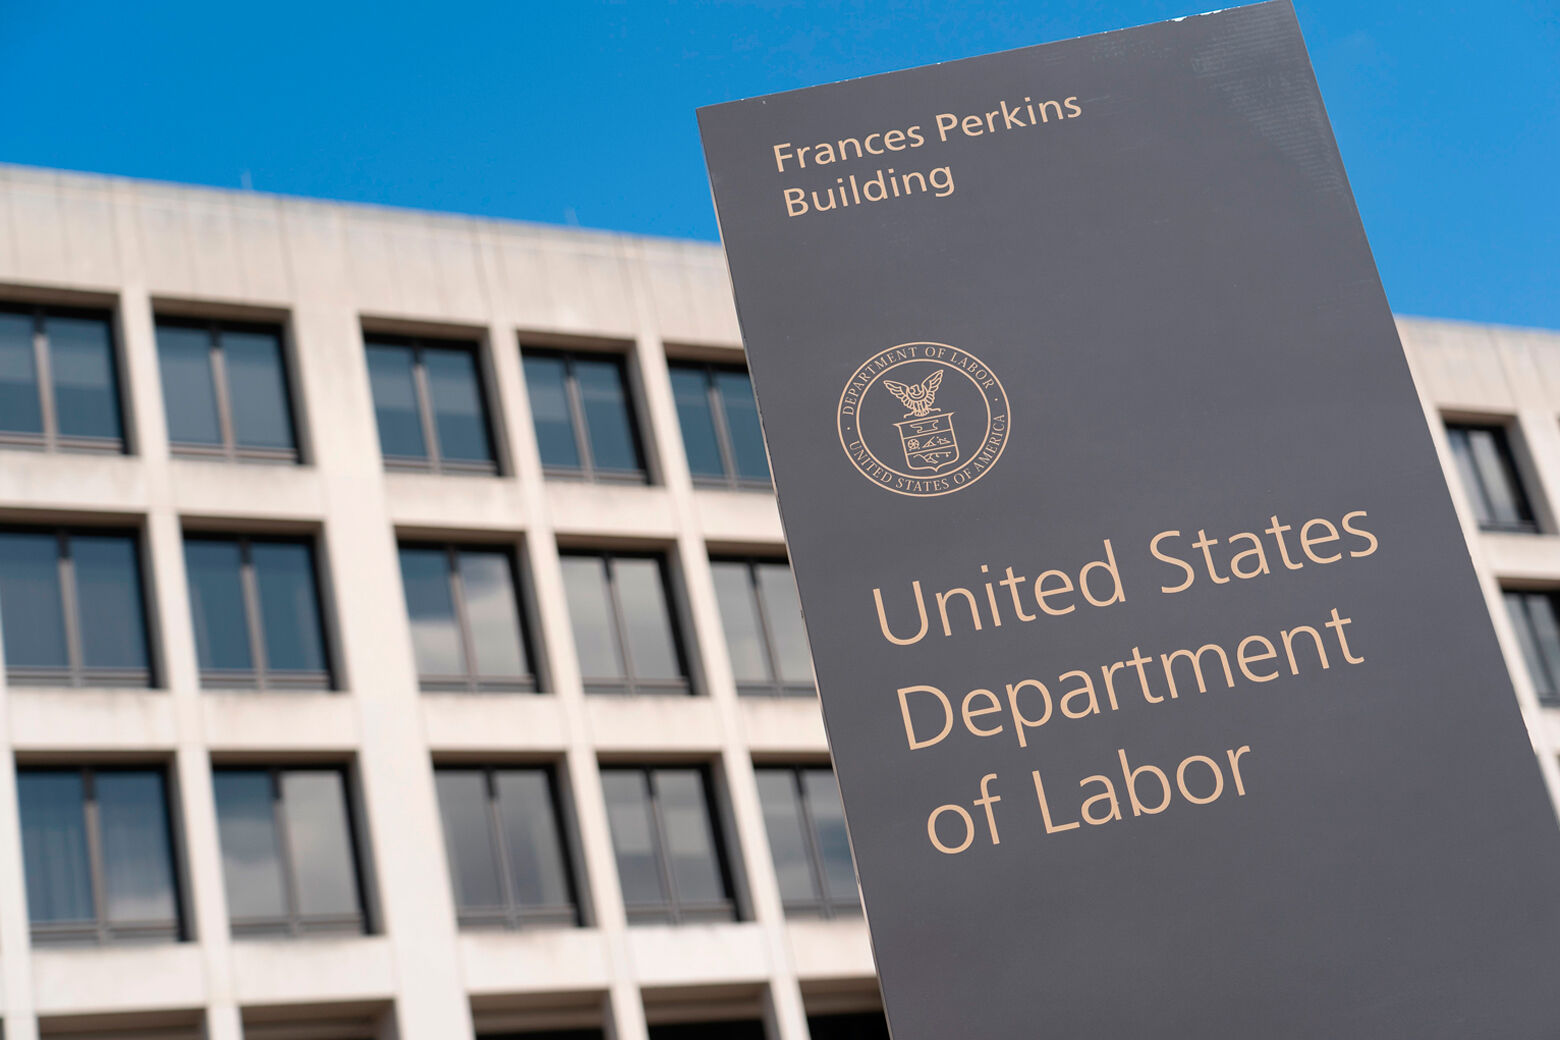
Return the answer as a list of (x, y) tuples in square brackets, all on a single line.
[(929, 442)]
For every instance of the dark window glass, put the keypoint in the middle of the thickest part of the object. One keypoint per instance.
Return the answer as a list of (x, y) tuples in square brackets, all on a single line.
[(856, 1025), (508, 860), (467, 627), (429, 405), (546, 379), (108, 590), (624, 627), (670, 856), (1490, 478), (720, 427), (73, 608), (189, 390), (585, 424), (288, 854), (98, 855), (225, 391), (81, 362), (21, 407), (763, 623), (58, 384), (257, 616), (393, 379), (696, 417), (1536, 618), (455, 393), (725, 1029), (807, 838)]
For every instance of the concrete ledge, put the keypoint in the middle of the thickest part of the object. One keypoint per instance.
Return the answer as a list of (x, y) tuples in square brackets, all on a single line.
[(653, 725), (539, 960), (91, 720), (738, 518), (1522, 557), (312, 970), (240, 720), (831, 949), (611, 511), (37, 482), (127, 977), (784, 725), (454, 503), (708, 954), (290, 494), (496, 722)]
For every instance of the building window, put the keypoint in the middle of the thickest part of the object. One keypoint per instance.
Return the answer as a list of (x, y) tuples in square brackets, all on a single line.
[(288, 854), (624, 626), (72, 608), (584, 418), (508, 859), (256, 606), (763, 622), (1488, 470), (724, 1029), (1536, 618), (225, 391), (806, 826), (58, 386), (719, 420), (468, 628), (98, 854), (671, 861), (856, 1025), (430, 406)]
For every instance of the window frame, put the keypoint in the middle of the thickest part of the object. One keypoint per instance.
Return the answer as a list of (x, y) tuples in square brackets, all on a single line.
[(823, 907), (260, 677), (630, 685), (52, 440), (434, 461), (587, 470), (77, 674), (102, 931), (471, 682), (728, 453), (673, 910), (1544, 679), (514, 915), (1478, 495), (775, 686), (293, 923), (230, 450)]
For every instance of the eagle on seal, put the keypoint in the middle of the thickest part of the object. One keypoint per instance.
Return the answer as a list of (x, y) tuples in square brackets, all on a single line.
[(917, 397)]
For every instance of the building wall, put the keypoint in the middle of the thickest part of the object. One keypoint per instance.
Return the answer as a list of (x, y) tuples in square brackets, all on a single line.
[(327, 272)]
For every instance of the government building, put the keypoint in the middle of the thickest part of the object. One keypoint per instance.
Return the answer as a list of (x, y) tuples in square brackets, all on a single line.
[(397, 639)]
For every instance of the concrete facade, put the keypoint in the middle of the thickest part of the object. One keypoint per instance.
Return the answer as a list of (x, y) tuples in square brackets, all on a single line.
[(327, 273)]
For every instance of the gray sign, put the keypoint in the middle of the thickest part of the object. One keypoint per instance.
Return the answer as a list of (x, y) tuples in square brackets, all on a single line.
[(1162, 694)]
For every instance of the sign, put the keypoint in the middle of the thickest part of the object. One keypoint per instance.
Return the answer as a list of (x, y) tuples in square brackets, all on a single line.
[(1162, 694)]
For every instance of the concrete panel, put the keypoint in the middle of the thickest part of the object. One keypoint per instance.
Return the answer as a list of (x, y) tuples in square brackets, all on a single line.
[(535, 960), (707, 954), (312, 970), (494, 722), (139, 977), (839, 949), (92, 720)]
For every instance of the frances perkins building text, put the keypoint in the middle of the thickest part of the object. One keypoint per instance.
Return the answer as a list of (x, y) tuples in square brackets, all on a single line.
[(830, 191)]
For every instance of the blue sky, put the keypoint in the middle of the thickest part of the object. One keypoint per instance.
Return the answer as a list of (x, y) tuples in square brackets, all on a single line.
[(1448, 115)]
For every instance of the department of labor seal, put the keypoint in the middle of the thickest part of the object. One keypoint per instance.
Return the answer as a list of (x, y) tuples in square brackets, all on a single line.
[(923, 419)]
